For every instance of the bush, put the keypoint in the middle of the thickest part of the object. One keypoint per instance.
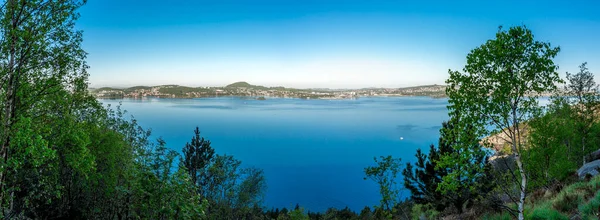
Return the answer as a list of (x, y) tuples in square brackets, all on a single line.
[(426, 211), (567, 202)]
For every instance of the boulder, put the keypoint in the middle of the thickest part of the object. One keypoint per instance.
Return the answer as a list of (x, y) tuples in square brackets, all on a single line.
[(590, 168), (593, 156)]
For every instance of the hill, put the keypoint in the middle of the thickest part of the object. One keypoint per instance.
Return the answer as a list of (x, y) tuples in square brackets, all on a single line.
[(580, 200), (241, 84), (246, 89)]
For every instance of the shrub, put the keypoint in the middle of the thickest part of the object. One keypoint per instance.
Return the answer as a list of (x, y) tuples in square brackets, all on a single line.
[(567, 202), (426, 211)]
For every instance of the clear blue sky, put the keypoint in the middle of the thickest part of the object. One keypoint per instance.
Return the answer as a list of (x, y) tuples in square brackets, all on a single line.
[(316, 43)]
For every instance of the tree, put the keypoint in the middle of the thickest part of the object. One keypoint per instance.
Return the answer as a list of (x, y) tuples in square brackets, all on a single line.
[(425, 176), (585, 91), (385, 175), (365, 213), (197, 156), (62, 154), (298, 214), (551, 156), (497, 92), (42, 73), (251, 189), (162, 192), (232, 190)]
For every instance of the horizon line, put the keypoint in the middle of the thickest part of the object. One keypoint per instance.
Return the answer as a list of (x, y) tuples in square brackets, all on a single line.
[(221, 86)]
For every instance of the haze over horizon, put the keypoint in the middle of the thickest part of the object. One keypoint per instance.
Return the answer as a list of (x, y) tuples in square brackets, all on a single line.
[(316, 44)]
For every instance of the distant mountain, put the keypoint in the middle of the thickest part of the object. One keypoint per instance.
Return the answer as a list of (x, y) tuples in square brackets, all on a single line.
[(243, 84), (239, 84)]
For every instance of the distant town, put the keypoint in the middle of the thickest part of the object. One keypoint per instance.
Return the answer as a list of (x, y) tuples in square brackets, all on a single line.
[(245, 89)]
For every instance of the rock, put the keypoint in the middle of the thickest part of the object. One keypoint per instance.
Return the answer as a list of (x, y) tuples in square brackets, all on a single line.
[(590, 168), (593, 156)]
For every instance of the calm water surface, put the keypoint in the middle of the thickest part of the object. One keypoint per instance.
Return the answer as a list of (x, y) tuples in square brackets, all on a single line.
[(313, 152)]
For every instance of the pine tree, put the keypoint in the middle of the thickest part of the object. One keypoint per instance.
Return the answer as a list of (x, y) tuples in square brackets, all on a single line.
[(422, 178), (197, 156)]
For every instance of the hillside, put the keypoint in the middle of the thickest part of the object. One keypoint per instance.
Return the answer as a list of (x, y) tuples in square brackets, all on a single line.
[(579, 200), (239, 84)]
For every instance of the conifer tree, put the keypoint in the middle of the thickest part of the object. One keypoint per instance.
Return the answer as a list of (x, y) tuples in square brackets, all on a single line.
[(423, 178), (197, 157)]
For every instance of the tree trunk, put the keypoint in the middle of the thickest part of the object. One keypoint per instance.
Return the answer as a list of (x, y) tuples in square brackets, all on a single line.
[(583, 154), (9, 104), (523, 185), (516, 139)]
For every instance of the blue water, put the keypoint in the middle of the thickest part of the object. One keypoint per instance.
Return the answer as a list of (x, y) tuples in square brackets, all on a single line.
[(313, 152)]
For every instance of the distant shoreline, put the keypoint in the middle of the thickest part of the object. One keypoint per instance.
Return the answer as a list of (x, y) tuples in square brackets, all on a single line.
[(243, 89), (268, 97)]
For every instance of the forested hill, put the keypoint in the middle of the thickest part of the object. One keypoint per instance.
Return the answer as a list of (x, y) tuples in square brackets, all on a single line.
[(246, 89)]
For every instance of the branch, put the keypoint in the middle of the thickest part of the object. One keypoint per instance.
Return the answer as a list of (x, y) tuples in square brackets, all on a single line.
[(504, 130), (512, 173)]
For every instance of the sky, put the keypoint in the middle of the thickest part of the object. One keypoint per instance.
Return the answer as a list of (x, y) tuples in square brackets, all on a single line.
[(317, 43)]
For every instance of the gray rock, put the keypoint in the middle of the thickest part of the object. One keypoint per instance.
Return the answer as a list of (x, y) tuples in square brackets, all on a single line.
[(593, 156), (590, 168)]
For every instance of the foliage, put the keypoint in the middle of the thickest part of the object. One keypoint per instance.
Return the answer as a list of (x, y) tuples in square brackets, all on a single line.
[(426, 211), (559, 135), (197, 156), (586, 99), (569, 198), (231, 190), (163, 194), (551, 156), (65, 156), (496, 92), (591, 209), (42, 87), (580, 200), (423, 179), (385, 174), (298, 214)]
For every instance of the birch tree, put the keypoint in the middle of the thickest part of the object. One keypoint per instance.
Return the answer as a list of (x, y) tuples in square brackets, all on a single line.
[(497, 92)]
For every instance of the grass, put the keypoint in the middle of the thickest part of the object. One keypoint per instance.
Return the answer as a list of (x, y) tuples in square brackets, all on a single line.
[(580, 200), (569, 199), (546, 213), (501, 216), (591, 209)]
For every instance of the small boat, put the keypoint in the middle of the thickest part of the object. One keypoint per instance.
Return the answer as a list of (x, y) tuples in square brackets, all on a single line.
[(401, 138)]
